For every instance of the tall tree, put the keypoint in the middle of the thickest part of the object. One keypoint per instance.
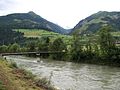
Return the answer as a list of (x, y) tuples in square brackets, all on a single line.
[(14, 48), (3, 48), (43, 45), (106, 41), (60, 46), (76, 52), (31, 46), (8, 36)]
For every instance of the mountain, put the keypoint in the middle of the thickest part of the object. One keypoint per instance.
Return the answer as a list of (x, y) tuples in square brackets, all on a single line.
[(29, 20), (93, 23)]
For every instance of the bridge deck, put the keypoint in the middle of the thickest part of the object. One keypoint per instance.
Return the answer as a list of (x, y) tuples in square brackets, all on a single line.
[(26, 53)]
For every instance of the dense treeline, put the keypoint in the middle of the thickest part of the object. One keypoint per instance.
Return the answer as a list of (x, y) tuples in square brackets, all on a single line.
[(8, 36), (99, 49), (102, 49)]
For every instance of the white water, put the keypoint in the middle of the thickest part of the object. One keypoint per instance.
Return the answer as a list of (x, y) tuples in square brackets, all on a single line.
[(72, 76)]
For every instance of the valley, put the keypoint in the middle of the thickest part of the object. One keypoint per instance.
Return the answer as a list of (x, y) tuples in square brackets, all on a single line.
[(93, 44)]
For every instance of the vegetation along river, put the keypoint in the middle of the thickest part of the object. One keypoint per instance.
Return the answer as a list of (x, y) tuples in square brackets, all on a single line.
[(72, 76)]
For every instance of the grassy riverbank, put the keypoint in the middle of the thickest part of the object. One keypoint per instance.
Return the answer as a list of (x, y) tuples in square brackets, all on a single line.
[(13, 78)]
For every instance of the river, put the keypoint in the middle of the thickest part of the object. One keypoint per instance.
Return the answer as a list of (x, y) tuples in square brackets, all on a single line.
[(72, 76)]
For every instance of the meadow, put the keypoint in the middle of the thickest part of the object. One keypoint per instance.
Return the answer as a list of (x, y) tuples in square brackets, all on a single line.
[(38, 33)]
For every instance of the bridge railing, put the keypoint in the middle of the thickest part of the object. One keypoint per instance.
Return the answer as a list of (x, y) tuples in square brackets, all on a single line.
[(38, 52)]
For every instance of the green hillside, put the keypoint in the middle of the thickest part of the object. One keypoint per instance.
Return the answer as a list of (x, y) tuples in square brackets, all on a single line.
[(93, 23), (29, 20), (38, 33)]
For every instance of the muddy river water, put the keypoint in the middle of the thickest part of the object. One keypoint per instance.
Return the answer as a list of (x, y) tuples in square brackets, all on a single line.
[(72, 76)]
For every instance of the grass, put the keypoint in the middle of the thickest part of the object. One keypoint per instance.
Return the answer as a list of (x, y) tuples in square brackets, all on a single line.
[(46, 83), (12, 78), (116, 34), (42, 33), (36, 32), (13, 65), (2, 87), (5, 76), (39, 82)]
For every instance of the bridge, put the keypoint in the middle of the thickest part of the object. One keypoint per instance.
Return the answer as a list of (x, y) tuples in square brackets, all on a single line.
[(35, 53)]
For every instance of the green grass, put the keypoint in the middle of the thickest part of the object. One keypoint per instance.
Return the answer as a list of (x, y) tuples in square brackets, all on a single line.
[(52, 35), (40, 33), (116, 34), (2, 87), (36, 32)]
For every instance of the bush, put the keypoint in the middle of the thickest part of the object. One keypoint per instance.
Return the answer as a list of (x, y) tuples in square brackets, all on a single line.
[(45, 83), (13, 65), (28, 75)]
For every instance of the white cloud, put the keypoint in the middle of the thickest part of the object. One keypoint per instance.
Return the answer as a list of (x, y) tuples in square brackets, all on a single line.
[(5, 4), (66, 13)]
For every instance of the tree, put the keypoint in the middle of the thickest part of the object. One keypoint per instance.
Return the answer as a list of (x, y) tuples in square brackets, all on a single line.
[(8, 36), (3, 48), (43, 44), (31, 46), (106, 41), (60, 46), (14, 48), (76, 48), (89, 54)]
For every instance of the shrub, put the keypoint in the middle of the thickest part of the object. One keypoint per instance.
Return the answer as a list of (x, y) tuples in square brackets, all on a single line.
[(13, 65), (45, 83), (28, 75)]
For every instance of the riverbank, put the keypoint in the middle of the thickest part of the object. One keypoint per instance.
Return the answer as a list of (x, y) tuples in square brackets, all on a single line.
[(71, 76), (13, 78), (100, 62)]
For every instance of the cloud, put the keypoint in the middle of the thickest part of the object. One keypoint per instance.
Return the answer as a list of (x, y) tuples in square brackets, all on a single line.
[(6, 4), (66, 13)]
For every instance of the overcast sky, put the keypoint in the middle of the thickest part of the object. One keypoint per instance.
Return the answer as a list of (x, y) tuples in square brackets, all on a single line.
[(66, 13)]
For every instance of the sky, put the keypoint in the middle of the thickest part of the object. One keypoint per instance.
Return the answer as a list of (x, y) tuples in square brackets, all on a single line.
[(66, 13)]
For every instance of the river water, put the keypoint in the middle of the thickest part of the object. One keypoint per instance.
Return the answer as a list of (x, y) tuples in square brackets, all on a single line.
[(72, 76)]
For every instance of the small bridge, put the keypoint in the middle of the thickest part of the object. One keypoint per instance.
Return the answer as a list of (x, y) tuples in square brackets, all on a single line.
[(35, 53)]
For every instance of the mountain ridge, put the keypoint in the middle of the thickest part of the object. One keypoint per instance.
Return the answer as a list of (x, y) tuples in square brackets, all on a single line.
[(29, 20), (94, 22)]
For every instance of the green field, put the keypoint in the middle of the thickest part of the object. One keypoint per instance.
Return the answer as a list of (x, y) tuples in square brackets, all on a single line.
[(42, 33), (52, 35), (116, 34), (36, 32)]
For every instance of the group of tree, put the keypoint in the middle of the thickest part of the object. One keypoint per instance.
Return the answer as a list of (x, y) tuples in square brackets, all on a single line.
[(101, 49), (10, 48), (8, 36), (36, 45)]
